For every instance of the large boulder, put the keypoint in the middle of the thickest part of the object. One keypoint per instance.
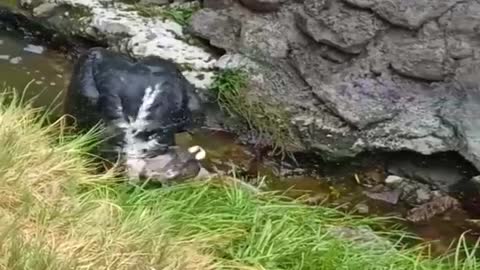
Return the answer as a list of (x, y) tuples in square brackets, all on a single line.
[(353, 81)]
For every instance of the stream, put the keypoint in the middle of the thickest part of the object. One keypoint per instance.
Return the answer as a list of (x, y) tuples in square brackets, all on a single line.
[(46, 72)]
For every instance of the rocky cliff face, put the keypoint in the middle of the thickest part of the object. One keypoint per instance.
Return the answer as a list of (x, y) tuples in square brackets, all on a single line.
[(360, 75), (353, 75)]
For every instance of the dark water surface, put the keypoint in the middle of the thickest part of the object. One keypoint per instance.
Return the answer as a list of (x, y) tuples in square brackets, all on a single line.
[(26, 65), (22, 63)]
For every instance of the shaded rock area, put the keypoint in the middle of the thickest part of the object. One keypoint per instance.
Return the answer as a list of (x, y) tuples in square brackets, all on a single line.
[(352, 75)]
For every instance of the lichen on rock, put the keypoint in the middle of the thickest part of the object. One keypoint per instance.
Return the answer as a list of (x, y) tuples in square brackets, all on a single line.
[(124, 30)]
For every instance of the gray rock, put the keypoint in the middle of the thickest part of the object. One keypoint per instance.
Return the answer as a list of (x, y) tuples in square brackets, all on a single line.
[(459, 25), (44, 9), (443, 173), (30, 3), (15, 60), (362, 208), (154, 2), (461, 112), (388, 196), (393, 180), (476, 181), (464, 18), (423, 195), (218, 4), (341, 105), (263, 38), (407, 13), (339, 26), (263, 5), (414, 193), (34, 49), (361, 235), (437, 206), (422, 59), (221, 30), (236, 61)]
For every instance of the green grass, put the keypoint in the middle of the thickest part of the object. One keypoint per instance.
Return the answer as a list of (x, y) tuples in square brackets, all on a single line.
[(179, 14), (230, 87), (8, 3), (56, 214)]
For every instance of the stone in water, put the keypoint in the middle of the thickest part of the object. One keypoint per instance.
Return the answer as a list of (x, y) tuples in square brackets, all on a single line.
[(16, 60), (34, 49)]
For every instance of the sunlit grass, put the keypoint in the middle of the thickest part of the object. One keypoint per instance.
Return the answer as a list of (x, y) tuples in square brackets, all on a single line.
[(56, 214)]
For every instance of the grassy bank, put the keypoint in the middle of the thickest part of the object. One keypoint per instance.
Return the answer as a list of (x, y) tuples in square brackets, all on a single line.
[(56, 215)]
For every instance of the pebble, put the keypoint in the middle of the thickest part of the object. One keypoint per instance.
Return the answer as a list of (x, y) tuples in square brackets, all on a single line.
[(393, 180), (16, 60), (423, 195), (4, 57), (362, 208), (34, 49)]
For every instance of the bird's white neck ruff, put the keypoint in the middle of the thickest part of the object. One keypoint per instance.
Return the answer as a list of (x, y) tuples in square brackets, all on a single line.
[(134, 147)]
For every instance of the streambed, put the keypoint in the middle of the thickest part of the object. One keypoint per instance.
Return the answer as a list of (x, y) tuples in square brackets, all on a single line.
[(25, 62)]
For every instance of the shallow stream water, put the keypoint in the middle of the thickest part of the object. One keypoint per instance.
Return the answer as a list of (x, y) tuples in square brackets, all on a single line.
[(47, 72), (28, 66)]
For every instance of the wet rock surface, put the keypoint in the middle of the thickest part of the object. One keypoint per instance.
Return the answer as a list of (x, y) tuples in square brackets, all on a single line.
[(436, 206)]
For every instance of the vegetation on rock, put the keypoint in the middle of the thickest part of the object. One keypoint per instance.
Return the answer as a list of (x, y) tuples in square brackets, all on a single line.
[(230, 87), (179, 14)]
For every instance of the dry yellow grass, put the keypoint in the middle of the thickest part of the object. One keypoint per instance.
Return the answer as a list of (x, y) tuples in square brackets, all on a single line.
[(46, 224)]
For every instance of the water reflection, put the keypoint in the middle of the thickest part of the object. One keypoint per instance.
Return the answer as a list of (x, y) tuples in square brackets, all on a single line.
[(23, 63)]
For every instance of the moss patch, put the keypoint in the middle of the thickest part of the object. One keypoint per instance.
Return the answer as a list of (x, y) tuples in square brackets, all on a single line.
[(180, 15)]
